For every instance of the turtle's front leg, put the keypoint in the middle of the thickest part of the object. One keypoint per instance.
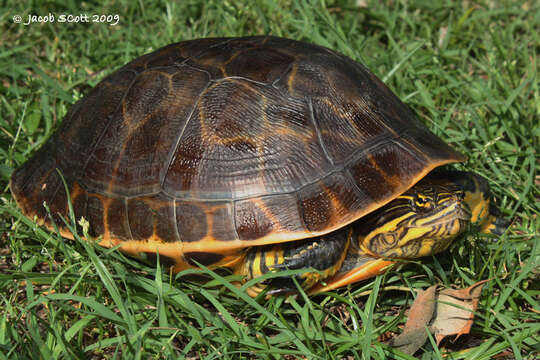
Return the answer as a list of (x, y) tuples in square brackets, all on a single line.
[(324, 254)]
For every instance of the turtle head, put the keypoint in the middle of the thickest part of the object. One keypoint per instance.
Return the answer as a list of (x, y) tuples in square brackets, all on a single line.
[(425, 219), (478, 201)]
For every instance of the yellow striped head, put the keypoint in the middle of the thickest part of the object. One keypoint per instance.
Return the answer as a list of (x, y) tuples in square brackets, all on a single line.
[(425, 219)]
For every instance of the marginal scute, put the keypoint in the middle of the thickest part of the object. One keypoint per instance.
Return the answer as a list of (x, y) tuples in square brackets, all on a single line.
[(79, 199), (141, 219), (57, 198), (395, 164), (222, 218), (191, 220), (252, 222), (274, 214), (95, 212), (316, 207), (165, 221), (428, 146), (31, 185), (117, 219)]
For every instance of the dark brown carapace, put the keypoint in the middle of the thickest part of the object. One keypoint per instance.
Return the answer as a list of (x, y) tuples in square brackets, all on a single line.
[(204, 148)]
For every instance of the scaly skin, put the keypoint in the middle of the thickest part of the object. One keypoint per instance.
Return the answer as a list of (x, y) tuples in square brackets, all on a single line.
[(422, 221)]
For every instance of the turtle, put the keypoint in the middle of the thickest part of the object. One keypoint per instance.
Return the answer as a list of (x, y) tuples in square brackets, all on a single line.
[(254, 154)]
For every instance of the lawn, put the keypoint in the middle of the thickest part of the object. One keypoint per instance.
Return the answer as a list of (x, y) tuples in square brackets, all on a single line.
[(469, 69)]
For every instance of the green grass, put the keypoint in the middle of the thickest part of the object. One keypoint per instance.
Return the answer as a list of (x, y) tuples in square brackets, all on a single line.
[(470, 71)]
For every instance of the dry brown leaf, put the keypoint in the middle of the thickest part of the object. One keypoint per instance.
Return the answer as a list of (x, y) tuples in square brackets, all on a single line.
[(454, 312), (449, 311), (415, 333)]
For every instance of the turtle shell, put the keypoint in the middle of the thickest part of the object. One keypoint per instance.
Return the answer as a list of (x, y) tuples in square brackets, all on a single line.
[(205, 147)]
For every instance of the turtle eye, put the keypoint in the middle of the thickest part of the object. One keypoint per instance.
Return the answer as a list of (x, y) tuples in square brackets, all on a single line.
[(422, 202)]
